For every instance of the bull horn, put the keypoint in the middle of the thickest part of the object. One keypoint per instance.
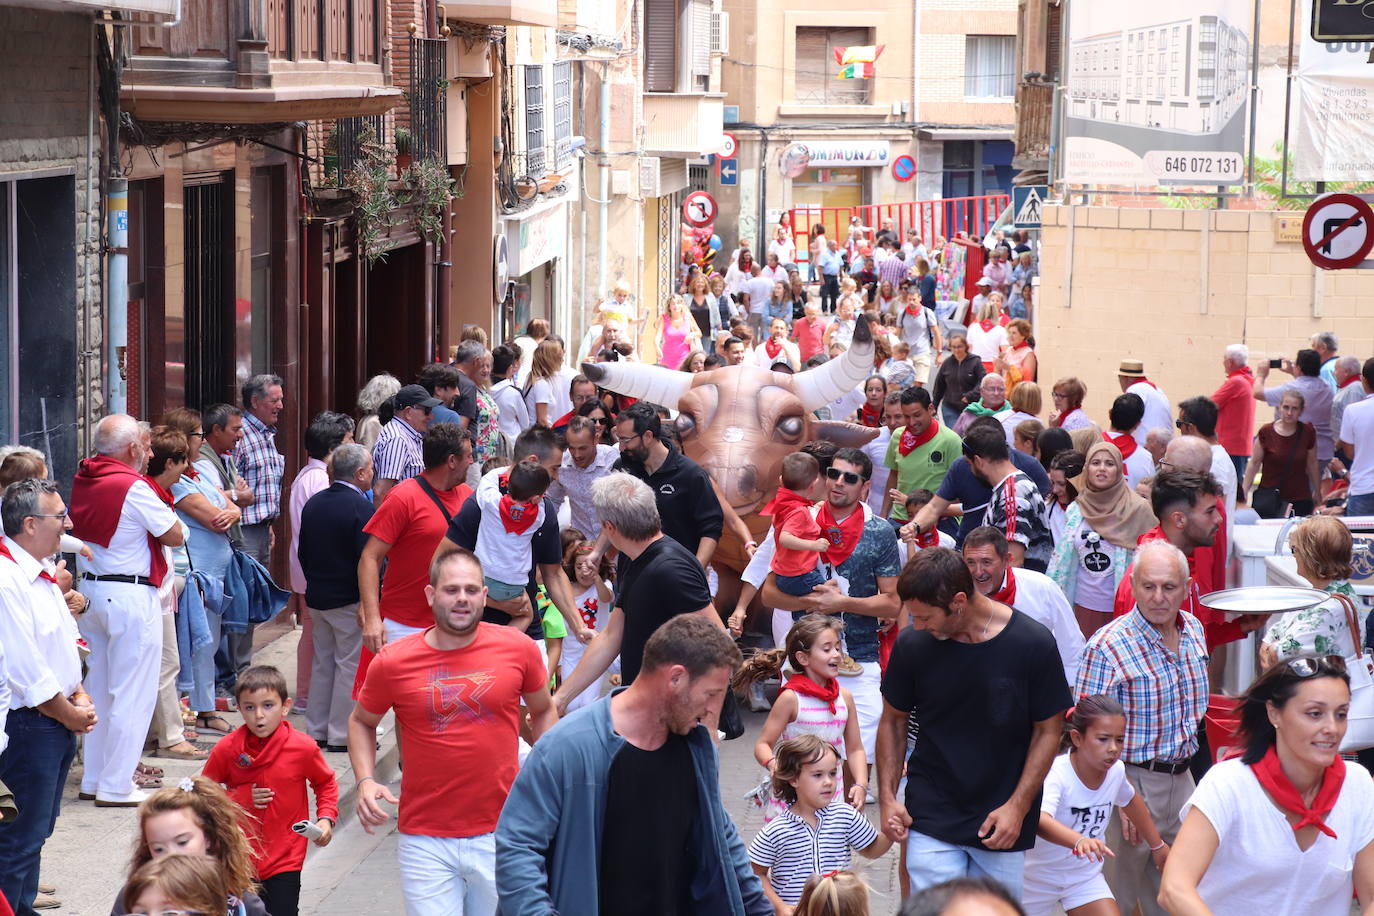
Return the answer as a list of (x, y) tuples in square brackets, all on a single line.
[(655, 384), (841, 375)]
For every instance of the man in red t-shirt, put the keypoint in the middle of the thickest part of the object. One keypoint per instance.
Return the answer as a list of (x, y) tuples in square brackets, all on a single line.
[(405, 529), (456, 689)]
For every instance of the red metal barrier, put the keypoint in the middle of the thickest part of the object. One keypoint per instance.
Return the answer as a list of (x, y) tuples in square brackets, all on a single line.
[(973, 216)]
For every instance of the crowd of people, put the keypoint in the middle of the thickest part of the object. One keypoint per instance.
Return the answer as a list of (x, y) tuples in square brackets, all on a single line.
[(983, 612)]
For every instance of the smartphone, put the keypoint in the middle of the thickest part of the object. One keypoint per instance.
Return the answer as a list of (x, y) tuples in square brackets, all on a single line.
[(1275, 364)]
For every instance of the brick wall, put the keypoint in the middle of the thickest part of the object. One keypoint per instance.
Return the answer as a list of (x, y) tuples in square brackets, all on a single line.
[(1142, 278)]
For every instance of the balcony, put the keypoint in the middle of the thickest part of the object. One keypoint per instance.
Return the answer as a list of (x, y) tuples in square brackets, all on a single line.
[(260, 61), (503, 12), (683, 125), (160, 7), (1034, 105)]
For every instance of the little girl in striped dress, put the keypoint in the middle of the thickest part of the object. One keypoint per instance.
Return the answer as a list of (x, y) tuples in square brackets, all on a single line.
[(811, 702)]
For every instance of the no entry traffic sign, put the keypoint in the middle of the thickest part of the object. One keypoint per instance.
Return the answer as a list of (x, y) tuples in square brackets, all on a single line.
[(1338, 231), (699, 209)]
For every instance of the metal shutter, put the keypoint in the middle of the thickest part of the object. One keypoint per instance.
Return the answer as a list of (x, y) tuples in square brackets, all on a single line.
[(660, 45), (701, 37), (811, 70)]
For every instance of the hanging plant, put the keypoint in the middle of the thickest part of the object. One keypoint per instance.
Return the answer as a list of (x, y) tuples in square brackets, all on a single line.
[(374, 202), (430, 189)]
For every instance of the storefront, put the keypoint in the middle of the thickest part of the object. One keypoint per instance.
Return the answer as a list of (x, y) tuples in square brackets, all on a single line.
[(536, 243), (838, 172)]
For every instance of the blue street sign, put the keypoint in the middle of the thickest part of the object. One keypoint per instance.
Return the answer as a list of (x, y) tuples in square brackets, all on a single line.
[(729, 172), (1027, 202)]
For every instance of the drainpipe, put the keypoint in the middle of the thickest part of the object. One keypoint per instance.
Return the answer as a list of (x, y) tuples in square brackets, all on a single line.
[(604, 213), (88, 256), (117, 295)]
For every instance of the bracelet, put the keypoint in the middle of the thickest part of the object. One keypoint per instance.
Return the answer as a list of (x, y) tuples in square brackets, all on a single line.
[(1075, 844), (1161, 845), (362, 778), (325, 817)]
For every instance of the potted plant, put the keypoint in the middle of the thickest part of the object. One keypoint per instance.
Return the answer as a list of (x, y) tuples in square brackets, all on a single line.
[(403, 149)]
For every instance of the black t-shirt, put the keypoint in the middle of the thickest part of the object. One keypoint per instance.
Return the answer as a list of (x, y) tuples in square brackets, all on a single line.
[(687, 503), (466, 402), (647, 854), (961, 486), (975, 704), (662, 582), (546, 548)]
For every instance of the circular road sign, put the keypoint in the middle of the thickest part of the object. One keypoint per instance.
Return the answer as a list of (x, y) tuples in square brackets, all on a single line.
[(699, 209), (729, 146), (1338, 231), (904, 168)]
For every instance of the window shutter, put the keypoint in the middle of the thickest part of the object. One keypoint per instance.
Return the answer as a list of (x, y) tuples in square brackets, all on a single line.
[(1054, 40), (534, 120), (812, 48), (701, 37), (660, 45)]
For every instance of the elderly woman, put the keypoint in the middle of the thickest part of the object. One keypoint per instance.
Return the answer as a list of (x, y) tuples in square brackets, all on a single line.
[(1101, 527), (1286, 827), (957, 379), (1285, 455), (1322, 547), (1068, 394), (378, 390), (992, 402), (1017, 361), (1025, 405)]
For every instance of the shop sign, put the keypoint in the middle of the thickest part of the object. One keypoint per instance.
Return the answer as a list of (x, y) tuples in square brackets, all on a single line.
[(536, 239), (847, 153)]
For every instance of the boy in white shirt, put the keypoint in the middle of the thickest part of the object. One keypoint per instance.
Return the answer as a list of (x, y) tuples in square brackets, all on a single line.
[(511, 500)]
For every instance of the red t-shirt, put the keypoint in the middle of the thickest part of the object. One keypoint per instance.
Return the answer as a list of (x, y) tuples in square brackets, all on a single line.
[(797, 562), (459, 714), (409, 521), (810, 336), (285, 762)]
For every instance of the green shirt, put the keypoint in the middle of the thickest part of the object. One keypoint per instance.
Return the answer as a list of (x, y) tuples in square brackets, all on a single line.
[(924, 468)]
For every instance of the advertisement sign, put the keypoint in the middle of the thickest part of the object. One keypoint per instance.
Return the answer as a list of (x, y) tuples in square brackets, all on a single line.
[(1342, 20), (1332, 135), (1157, 93), (826, 154)]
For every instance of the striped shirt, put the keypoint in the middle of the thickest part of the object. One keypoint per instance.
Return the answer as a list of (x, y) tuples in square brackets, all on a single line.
[(893, 270), (260, 464), (793, 852), (1164, 693), (398, 454)]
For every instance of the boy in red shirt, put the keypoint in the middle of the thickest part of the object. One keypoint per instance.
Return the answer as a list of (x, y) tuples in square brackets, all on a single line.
[(796, 561), (265, 765)]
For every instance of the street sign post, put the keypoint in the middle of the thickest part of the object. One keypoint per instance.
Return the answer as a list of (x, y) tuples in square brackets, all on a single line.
[(699, 209), (1338, 231), (729, 172), (729, 146), (1027, 205)]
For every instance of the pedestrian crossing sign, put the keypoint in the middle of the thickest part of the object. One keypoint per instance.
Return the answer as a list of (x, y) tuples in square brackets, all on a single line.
[(1028, 202)]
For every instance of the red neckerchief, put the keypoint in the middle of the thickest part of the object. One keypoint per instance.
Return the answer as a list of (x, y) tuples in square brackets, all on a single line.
[(98, 492), (803, 685), (162, 492), (5, 552), (930, 539), (1124, 441), (191, 472), (843, 536), (910, 440), (1004, 319), (1350, 381), (1023, 345), (517, 517), (44, 574), (1007, 593), (986, 324), (870, 416), (772, 347), (1270, 774), (1148, 382), (914, 310)]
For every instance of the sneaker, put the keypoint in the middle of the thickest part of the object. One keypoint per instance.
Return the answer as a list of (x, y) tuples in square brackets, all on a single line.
[(849, 667), (132, 800), (868, 797), (757, 701)]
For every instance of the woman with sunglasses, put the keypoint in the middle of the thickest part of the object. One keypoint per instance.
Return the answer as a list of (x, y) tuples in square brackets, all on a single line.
[(597, 412), (1288, 827)]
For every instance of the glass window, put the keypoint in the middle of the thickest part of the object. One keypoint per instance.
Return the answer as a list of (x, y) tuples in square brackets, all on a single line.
[(990, 66)]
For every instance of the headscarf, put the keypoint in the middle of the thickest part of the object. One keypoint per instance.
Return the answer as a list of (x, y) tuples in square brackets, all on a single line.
[(1117, 513), (1084, 437)]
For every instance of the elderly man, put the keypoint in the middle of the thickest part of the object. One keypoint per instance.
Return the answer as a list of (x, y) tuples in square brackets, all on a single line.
[(576, 836), (1327, 347), (986, 740), (585, 461), (1317, 397), (1236, 407), (992, 402), (1156, 442), (1153, 661), (261, 465), (40, 683), (1158, 412), (1348, 391), (399, 455), (125, 524)]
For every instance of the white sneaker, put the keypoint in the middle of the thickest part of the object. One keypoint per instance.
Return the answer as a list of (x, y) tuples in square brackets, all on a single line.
[(132, 800)]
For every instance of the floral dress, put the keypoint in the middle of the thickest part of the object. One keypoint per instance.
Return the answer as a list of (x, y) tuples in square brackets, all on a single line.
[(1321, 630), (487, 429)]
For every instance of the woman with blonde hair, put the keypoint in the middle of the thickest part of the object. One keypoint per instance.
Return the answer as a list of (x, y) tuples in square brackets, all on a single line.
[(678, 335), (705, 310), (1017, 360), (378, 390), (543, 397), (1025, 405)]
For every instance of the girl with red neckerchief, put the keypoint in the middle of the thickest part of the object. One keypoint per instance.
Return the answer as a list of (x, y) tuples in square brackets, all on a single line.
[(1288, 827), (875, 397)]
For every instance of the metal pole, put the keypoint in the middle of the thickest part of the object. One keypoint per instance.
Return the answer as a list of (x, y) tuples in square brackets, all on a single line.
[(604, 214), (1287, 100), (117, 295), (1254, 101)]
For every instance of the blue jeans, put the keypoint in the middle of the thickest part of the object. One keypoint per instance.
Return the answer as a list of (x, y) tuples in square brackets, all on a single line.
[(930, 861), (204, 669), (1360, 504), (34, 766), (804, 584)]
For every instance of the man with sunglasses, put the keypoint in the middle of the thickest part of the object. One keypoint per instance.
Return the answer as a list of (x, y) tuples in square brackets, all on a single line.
[(1153, 661), (399, 454)]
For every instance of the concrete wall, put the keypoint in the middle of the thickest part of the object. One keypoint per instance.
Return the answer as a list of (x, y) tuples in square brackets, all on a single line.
[(1173, 288)]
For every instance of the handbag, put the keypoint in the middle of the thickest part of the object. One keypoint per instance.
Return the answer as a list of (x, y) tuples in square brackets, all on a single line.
[(1267, 501), (1359, 730), (731, 722)]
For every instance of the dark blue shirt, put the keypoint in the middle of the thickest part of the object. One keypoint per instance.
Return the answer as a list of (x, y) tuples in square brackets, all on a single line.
[(960, 486)]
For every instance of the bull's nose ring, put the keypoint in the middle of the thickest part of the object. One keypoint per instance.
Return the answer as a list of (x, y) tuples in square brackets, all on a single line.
[(732, 434)]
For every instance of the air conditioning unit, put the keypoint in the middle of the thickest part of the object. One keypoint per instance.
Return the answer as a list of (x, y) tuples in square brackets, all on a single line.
[(649, 176), (720, 33)]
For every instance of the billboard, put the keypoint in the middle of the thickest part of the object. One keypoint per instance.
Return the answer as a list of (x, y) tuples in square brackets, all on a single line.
[(1157, 93), (1332, 132)]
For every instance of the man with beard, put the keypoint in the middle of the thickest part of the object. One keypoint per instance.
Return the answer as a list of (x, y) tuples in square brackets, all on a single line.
[(988, 558), (456, 689), (921, 453), (618, 810)]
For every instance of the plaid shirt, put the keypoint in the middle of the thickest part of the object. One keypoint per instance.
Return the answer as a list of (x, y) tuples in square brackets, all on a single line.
[(259, 463), (1164, 694), (893, 270)]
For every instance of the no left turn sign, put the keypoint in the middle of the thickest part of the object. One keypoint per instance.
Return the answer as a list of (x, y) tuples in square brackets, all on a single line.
[(1338, 231), (699, 209)]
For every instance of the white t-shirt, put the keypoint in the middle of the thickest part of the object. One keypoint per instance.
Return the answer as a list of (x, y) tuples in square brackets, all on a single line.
[(1258, 867), (785, 249), (760, 290), (1094, 571), (127, 553), (1050, 866), (1041, 600), (506, 556), (1139, 464), (514, 416), (986, 344), (1357, 428), (877, 453), (1158, 413)]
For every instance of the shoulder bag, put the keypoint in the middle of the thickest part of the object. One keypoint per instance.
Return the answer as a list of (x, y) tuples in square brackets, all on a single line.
[(1359, 732), (429, 491), (1268, 502)]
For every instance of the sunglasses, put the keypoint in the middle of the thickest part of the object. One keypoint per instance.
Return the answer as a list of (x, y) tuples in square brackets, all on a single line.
[(848, 477), (1306, 666)]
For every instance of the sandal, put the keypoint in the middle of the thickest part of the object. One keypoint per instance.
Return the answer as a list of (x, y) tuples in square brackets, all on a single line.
[(206, 727), (146, 769), (144, 781), (186, 750)]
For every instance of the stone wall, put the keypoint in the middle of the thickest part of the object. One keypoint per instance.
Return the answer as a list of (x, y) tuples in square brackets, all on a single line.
[(1174, 287)]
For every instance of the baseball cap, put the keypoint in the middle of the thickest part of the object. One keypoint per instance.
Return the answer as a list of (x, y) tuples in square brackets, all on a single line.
[(983, 281), (415, 396)]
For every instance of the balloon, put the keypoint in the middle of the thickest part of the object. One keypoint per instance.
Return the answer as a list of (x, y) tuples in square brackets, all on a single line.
[(715, 242)]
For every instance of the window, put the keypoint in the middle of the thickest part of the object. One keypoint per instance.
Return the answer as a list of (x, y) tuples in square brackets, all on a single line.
[(817, 77), (562, 115), (534, 120), (660, 45), (989, 66)]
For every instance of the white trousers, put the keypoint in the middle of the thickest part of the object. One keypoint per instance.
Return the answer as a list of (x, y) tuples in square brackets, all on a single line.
[(123, 628), (448, 876)]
